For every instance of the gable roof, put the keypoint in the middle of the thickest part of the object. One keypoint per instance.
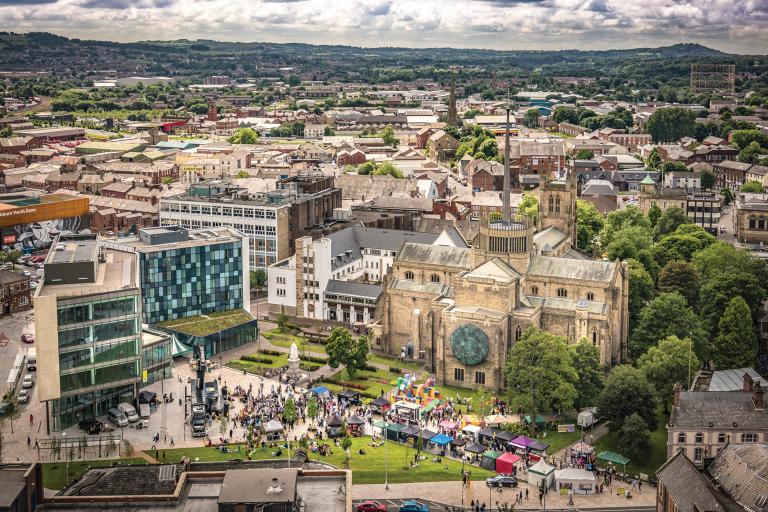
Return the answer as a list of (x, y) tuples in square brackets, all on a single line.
[(687, 487), (440, 255), (495, 269), (569, 268), (721, 409)]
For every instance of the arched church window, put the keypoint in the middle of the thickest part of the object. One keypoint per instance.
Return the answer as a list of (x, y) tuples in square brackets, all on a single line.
[(409, 275), (590, 296), (434, 278), (562, 292), (557, 204), (594, 337), (752, 223), (551, 204), (518, 333), (534, 290)]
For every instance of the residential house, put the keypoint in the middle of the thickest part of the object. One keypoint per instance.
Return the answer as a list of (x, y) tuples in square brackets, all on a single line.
[(730, 174), (750, 218), (14, 293), (442, 145)]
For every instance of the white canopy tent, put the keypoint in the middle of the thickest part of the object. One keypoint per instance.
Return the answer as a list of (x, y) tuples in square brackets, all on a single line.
[(472, 431), (541, 471), (577, 481)]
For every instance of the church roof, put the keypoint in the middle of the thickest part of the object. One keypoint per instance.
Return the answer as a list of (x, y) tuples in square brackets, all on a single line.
[(568, 304), (647, 180), (437, 255), (495, 269), (550, 236), (436, 289), (569, 268)]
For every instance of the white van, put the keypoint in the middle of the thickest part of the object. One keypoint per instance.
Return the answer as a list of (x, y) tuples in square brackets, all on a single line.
[(117, 418), (129, 411), (31, 359)]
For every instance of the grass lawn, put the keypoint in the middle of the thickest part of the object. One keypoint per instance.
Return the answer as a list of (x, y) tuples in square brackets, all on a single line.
[(451, 391), (378, 381), (277, 362), (366, 469), (559, 440), (658, 454), (55, 473), (284, 339), (203, 325)]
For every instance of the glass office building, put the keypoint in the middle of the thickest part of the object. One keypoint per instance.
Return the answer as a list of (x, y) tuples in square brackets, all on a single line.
[(88, 323)]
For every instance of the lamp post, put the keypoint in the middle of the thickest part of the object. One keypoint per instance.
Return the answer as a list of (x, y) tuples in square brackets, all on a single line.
[(386, 462), (66, 457)]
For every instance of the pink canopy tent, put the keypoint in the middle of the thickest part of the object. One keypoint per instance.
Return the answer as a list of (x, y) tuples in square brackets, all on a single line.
[(448, 425), (505, 462)]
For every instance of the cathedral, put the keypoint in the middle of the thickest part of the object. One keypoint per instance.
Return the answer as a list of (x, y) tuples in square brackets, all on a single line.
[(460, 310)]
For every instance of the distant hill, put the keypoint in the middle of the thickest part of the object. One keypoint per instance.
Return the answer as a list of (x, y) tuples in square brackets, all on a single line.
[(194, 59)]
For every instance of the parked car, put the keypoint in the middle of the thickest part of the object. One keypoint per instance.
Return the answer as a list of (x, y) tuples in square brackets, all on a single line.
[(117, 418), (371, 506), (26, 273), (413, 506), (91, 425), (23, 396), (28, 337), (28, 381), (6, 406), (501, 481)]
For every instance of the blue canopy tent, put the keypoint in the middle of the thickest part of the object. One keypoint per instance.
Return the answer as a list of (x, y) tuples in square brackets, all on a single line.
[(322, 392), (441, 440)]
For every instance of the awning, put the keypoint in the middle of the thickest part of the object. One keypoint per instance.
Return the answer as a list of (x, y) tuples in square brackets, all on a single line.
[(355, 420), (427, 434), (471, 428), (582, 447), (273, 426), (538, 446), (410, 430), (522, 442), (380, 402), (395, 427), (335, 421), (441, 439), (505, 462), (540, 421), (448, 424), (178, 348), (492, 454), (321, 391), (495, 419), (489, 432), (380, 424), (613, 457), (474, 448), (505, 436)]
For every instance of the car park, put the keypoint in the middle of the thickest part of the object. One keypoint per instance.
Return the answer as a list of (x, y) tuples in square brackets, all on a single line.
[(23, 396), (501, 481), (371, 506)]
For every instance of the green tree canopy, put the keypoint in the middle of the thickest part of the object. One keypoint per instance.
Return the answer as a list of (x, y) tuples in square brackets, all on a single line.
[(669, 221), (540, 374), (343, 349), (532, 118), (584, 154), (586, 362), (743, 138), (736, 344), (628, 242), (682, 277), (244, 136), (529, 207), (589, 222), (388, 136), (617, 220), (667, 364), (716, 294), (635, 439), (671, 124), (641, 290), (752, 186), (626, 392), (666, 315), (707, 179), (654, 213), (752, 154)]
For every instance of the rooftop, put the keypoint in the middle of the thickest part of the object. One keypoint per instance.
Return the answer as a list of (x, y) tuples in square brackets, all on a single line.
[(720, 409), (256, 486), (203, 325), (568, 268), (196, 238)]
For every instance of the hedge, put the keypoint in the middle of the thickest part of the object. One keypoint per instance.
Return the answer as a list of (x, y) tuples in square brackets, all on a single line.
[(257, 359), (395, 369), (269, 352)]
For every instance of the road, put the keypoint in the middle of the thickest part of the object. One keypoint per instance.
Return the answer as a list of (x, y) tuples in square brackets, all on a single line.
[(43, 106), (394, 505)]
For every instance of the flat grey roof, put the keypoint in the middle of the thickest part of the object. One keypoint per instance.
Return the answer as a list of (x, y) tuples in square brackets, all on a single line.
[(113, 275), (73, 251), (197, 237), (370, 291), (251, 485)]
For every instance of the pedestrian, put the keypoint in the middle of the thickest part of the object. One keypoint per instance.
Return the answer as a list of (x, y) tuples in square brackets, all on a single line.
[(639, 486), (29, 440), (526, 493), (541, 497), (472, 504), (31, 419), (172, 443), (482, 507)]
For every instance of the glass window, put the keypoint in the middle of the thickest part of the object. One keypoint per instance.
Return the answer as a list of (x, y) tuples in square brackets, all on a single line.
[(681, 438), (115, 373), (75, 381), (74, 359), (480, 378), (698, 454), (721, 438), (112, 330), (73, 314), (699, 437), (76, 336), (458, 374), (115, 351)]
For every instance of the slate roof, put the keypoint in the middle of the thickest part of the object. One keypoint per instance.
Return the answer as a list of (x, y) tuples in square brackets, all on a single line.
[(438, 255), (569, 268), (496, 269), (369, 291), (436, 289), (356, 238), (687, 487), (720, 408), (741, 470), (568, 304), (550, 236), (733, 379)]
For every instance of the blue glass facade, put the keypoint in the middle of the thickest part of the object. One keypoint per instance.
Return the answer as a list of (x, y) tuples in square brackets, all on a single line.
[(191, 281)]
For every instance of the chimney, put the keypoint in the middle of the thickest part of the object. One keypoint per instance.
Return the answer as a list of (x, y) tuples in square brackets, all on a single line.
[(676, 401), (747, 383), (758, 397)]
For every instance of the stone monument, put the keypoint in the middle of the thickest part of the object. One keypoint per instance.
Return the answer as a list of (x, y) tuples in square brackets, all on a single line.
[(294, 371)]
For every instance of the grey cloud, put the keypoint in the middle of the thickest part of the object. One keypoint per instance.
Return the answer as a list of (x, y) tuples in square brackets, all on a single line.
[(26, 2), (126, 4)]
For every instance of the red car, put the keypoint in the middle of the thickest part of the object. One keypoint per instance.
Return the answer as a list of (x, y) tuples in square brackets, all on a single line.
[(371, 506)]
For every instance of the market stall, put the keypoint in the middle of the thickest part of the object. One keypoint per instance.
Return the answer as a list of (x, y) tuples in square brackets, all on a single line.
[(351, 396), (575, 481), (427, 434), (613, 458), (541, 472), (449, 426), (487, 435), (440, 442), (407, 411), (494, 420), (322, 392), (583, 453), (409, 431), (274, 430), (506, 462), (540, 421), (488, 460), (380, 405), (505, 436), (335, 426), (393, 431), (355, 426), (471, 431)]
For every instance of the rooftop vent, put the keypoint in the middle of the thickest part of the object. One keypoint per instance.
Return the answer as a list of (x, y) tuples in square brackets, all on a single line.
[(275, 487)]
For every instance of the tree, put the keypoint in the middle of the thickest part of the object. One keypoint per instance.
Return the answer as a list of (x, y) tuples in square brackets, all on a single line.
[(589, 222), (6, 131), (244, 136), (681, 277), (345, 443), (586, 362), (11, 257), (707, 179), (671, 124), (752, 153), (312, 408), (628, 242), (487, 149), (532, 118), (388, 136), (482, 402), (282, 322), (669, 221), (654, 159), (743, 138), (167, 180), (617, 220), (673, 166), (654, 213), (386, 168), (667, 364), (540, 374), (752, 186), (289, 410), (736, 344), (565, 115), (342, 349), (258, 278), (717, 293), (366, 168), (294, 81), (529, 207), (626, 392), (127, 448), (584, 154), (666, 315), (635, 439), (641, 290)]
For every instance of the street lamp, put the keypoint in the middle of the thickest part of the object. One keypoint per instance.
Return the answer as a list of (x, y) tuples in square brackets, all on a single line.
[(66, 455), (386, 463)]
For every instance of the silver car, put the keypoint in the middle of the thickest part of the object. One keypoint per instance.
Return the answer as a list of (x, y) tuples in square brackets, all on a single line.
[(23, 396)]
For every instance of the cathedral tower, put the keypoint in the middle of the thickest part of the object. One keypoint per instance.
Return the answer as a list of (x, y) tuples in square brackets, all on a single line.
[(557, 204)]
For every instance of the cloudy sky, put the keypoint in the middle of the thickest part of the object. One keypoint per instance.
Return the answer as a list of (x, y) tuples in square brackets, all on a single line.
[(739, 26)]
